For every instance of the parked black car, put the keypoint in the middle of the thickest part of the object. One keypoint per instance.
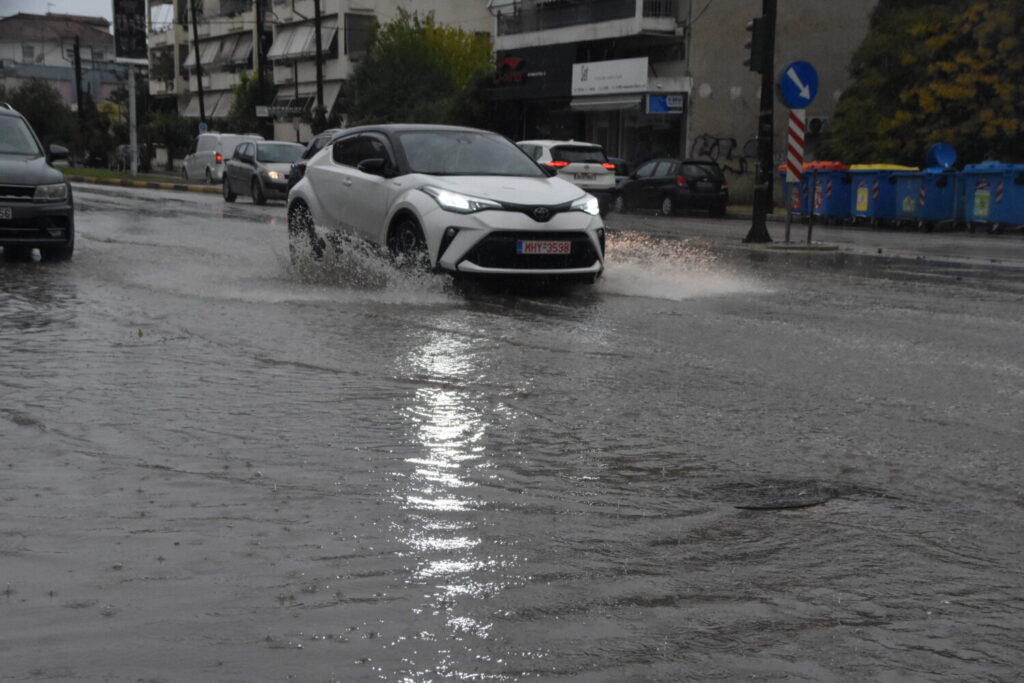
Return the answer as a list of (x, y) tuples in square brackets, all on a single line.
[(36, 207), (669, 185), (298, 168)]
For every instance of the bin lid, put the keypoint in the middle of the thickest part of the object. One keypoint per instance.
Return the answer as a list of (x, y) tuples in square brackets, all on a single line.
[(825, 166), (881, 167), (986, 167), (941, 154)]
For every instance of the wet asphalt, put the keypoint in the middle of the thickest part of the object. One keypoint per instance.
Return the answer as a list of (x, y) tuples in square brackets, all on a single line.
[(721, 462)]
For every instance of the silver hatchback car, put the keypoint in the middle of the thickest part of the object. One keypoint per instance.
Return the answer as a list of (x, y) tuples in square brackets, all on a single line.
[(581, 163)]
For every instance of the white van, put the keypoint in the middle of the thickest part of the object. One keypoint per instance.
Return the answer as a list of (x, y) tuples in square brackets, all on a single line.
[(206, 157)]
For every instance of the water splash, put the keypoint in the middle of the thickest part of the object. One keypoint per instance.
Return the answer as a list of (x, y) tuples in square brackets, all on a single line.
[(642, 265)]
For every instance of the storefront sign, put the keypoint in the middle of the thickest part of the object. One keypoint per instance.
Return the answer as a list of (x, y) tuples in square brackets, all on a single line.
[(665, 104), (609, 77), (534, 73)]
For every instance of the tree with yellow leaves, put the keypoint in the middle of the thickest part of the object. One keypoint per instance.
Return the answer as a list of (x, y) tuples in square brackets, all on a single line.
[(935, 71)]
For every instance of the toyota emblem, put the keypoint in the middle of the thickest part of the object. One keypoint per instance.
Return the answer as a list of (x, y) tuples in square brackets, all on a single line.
[(541, 214)]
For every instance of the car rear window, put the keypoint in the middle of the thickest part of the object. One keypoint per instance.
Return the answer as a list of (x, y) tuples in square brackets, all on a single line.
[(698, 170), (574, 154)]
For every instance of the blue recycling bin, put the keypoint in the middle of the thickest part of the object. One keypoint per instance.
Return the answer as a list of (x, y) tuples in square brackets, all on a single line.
[(794, 195), (873, 191), (929, 197), (830, 196), (993, 194)]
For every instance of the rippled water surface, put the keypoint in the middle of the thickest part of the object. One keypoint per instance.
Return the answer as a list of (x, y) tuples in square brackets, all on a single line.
[(218, 467)]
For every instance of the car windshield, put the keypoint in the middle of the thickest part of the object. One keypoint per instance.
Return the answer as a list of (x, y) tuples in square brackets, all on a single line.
[(465, 152), (278, 152), (578, 154), (16, 137)]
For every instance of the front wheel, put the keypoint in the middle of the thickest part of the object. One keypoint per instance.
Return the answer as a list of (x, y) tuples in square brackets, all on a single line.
[(302, 237), (257, 192), (57, 254), (229, 196), (667, 206), (407, 244)]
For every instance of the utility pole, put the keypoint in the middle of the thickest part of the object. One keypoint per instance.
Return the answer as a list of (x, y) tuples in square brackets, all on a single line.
[(261, 58), (199, 66), (762, 60), (78, 83), (319, 119)]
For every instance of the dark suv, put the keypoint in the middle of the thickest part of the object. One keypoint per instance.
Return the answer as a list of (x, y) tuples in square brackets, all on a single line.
[(669, 185), (36, 208)]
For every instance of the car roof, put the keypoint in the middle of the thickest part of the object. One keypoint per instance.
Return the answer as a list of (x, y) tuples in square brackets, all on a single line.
[(555, 143), (8, 110), (407, 127)]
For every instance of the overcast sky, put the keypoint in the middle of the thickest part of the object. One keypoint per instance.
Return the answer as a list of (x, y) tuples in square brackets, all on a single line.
[(91, 8)]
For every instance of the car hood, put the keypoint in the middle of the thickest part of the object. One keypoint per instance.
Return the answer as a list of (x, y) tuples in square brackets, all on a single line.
[(508, 189), (16, 170)]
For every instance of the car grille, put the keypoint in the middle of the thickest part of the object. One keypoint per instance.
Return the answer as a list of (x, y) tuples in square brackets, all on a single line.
[(539, 213), (32, 228), (498, 250), (17, 193)]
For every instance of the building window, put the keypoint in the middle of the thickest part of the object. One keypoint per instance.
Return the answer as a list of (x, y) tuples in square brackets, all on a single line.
[(28, 53), (358, 30)]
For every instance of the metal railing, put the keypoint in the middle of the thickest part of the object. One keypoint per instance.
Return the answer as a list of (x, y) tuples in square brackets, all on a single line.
[(536, 15)]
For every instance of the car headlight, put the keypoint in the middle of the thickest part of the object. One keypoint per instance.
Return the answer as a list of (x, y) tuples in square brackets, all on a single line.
[(51, 193), (587, 204), (459, 203), (273, 175)]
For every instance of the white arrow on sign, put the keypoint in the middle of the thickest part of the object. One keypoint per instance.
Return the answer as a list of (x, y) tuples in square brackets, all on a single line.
[(805, 91)]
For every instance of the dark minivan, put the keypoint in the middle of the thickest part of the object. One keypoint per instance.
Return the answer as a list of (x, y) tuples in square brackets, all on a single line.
[(669, 185)]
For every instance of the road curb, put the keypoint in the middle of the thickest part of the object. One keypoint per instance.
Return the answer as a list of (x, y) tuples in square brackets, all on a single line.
[(145, 184)]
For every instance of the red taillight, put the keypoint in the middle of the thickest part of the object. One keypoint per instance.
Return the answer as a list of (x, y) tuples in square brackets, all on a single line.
[(219, 159), (725, 183), (681, 181), (558, 164), (610, 167)]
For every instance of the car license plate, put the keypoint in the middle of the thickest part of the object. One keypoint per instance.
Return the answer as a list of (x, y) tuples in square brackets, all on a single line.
[(585, 176), (705, 186), (6, 213), (543, 247)]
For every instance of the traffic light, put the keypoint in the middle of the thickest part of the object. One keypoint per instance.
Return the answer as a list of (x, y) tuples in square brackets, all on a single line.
[(758, 45)]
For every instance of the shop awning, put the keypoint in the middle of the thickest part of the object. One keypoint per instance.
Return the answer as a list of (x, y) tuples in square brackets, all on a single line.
[(208, 51), (297, 41), (223, 106), (605, 103), (210, 99)]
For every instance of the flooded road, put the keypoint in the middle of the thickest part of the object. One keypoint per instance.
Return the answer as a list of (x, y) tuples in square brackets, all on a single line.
[(713, 465)]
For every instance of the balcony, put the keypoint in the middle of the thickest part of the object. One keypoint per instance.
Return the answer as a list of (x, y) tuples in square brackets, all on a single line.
[(527, 17)]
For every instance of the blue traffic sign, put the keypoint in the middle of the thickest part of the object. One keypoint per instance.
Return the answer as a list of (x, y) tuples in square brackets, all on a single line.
[(798, 84), (203, 127)]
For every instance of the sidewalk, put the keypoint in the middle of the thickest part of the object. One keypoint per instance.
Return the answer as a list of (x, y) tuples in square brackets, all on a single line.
[(151, 182)]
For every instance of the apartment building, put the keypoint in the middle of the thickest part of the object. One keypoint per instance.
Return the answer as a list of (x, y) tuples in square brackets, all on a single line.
[(608, 71), (648, 78), (346, 27), (229, 42), (227, 32), (41, 46)]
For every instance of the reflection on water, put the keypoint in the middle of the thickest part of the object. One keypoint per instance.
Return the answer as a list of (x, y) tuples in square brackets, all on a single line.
[(444, 530)]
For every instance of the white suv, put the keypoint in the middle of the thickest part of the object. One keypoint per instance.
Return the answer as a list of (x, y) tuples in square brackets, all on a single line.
[(581, 163), (208, 153)]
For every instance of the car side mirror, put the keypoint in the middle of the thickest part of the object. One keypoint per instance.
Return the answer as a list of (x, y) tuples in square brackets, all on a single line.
[(58, 152), (375, 166)]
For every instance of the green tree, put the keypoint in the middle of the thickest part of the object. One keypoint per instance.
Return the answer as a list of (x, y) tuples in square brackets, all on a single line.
[(935, 71), (172, 131), (419, 71), (248, 93), (42, 105)]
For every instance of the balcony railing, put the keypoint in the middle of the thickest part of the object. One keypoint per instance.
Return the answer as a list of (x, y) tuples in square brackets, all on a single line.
[(537, 15)]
